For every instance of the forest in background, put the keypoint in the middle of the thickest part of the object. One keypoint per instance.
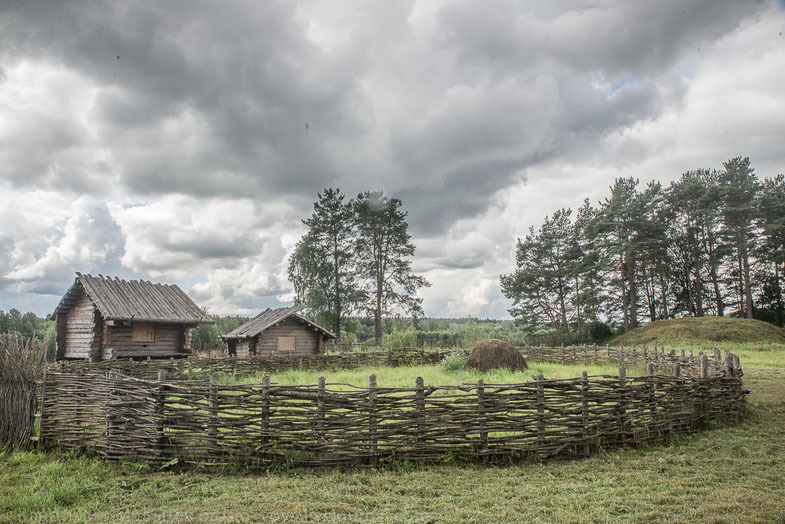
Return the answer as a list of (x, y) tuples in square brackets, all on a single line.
[(711, 243)]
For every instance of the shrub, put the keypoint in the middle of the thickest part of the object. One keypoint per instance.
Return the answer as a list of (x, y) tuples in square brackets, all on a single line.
[(454, 362)]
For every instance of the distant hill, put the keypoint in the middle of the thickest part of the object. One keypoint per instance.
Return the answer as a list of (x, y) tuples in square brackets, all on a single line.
[(702, 330)]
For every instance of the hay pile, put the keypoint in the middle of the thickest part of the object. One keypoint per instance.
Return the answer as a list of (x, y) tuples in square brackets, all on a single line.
[(494, 353)]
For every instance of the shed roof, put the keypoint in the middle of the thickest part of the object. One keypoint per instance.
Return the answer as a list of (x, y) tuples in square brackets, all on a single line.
[(269, 318), (137, 300)]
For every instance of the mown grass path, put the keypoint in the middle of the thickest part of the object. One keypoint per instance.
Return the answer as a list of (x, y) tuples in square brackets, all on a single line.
[(727, 475)]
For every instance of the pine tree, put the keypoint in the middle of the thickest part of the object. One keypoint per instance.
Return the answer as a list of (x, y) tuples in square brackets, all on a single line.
[(739, 187), (321, 267), (383, 253)]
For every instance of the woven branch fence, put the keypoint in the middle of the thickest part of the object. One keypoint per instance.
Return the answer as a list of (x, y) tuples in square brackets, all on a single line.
[(203, 367), (255, 425)]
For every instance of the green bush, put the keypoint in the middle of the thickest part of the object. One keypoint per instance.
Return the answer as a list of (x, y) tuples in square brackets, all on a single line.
[(454, 362)]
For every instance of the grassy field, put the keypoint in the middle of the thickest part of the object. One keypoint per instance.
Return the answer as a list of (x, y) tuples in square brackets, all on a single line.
[(727, 475), (433, 375)]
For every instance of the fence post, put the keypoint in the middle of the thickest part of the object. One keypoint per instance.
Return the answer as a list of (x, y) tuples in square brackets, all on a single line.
[(704, 366), (373, 459), (585, 412), (320, 411), (540, 417), (420, 403), (41, 416), (622, 404), (265, 440), (212, 424), (652, 393), (111, 375), (728, 364), (482, 420), (159, 411)]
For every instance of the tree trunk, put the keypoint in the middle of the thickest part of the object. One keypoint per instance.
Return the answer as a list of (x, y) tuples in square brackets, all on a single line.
[(747, 284), (698, 284), (624, 296), (578, 305), (377, 318), (717, 293), (633, 291), (664, 296)]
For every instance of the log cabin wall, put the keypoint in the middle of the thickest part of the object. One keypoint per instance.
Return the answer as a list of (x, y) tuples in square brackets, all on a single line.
[(307, 340), (78, 329), (242, 348), (168, 342)]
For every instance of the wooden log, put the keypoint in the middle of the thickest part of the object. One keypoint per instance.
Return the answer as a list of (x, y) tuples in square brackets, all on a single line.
[(652, 387), (320, 417), (212, 424), (622, 403), (420, 407), (42, 414), (585, 413), (540, 417), (482, 421), (265, 434), (372, 449), (160, 415)]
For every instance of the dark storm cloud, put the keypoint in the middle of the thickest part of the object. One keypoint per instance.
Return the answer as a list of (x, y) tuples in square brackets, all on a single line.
[(614, 39), (239, 98), (194, 97)]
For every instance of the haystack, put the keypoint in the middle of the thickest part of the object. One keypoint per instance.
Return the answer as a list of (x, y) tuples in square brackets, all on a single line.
[(494, 353)]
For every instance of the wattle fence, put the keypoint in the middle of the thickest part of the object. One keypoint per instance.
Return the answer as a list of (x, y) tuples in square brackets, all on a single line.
[(167, 419)]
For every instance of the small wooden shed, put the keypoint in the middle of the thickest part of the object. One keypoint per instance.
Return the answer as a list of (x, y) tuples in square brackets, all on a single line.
[(104, 318), (279, 331)]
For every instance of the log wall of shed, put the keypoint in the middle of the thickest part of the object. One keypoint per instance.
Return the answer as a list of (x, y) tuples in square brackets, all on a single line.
[(307, 340), (78, 329), (170, 340)]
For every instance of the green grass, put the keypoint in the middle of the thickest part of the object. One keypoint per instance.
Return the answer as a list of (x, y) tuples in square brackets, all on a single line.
[(727, 475), (704, 330), (433, 375)]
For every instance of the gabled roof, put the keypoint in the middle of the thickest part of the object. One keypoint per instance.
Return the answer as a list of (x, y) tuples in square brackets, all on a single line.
[(137, 300), (270, 317)]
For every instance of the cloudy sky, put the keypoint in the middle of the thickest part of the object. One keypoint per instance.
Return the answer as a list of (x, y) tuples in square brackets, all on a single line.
[(184, 141)]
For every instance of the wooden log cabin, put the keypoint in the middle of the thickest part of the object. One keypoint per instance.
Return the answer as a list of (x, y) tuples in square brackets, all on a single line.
[(102, 318), (276, 332)]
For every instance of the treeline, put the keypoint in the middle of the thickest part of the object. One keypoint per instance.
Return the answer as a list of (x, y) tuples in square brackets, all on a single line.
[(29, 325), (710, 243), (412, 332)]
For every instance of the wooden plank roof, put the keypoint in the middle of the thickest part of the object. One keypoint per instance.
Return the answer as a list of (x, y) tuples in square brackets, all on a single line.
[(137, 300), (270, 317)]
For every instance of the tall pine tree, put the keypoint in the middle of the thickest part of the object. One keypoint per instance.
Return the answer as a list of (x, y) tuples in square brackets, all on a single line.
[(383, 253)]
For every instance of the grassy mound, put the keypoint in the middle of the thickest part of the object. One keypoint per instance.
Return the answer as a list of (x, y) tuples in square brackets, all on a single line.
[(703, 330), (495, 354)]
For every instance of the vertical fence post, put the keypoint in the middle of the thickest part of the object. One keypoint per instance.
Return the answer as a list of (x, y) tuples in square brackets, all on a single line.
[(622, 404), (159, 413), (482, 420), (540, 417), (677, 369), (212, 418), (585, 412), (111, 375), (420, 403), (728, 364), (373, 458), (42, 415), (320, 420), (652, 395), (704, 366), (265, 436)]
